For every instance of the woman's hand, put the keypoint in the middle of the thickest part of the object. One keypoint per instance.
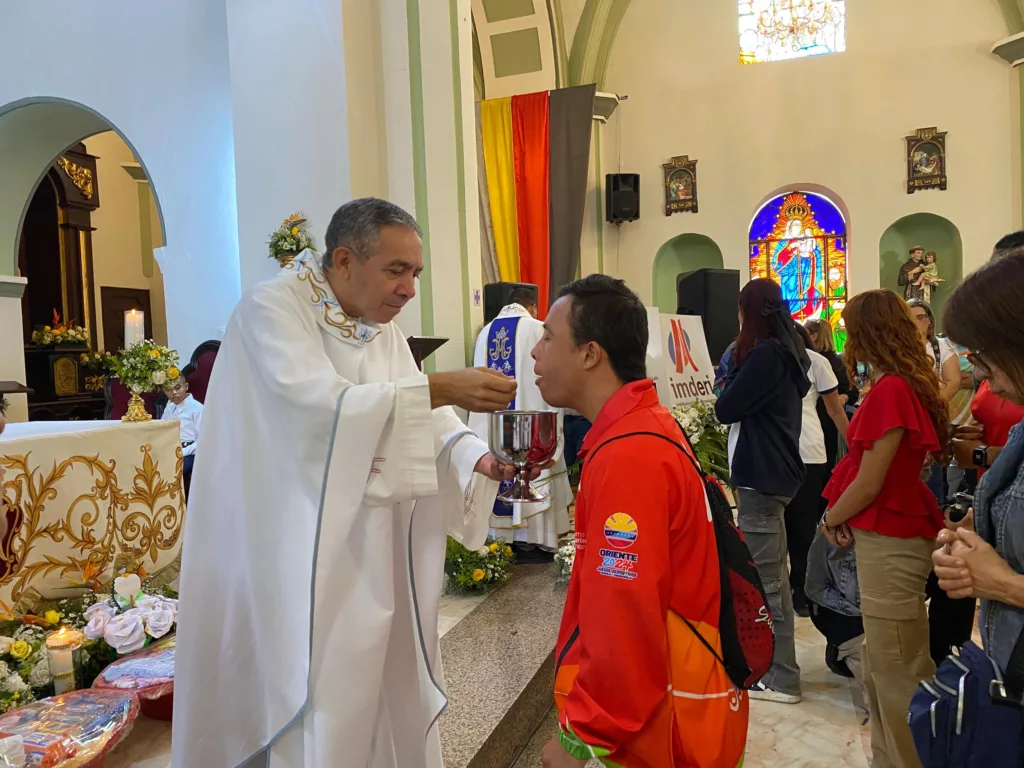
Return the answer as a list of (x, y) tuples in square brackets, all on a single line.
[(967, 522), (968, 566)]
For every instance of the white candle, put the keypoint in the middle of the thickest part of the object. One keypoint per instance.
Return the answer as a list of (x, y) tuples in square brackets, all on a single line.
[(61, 647), (134, 328)]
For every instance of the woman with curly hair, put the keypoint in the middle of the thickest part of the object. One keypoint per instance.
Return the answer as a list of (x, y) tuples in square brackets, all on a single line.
[(877, 497)]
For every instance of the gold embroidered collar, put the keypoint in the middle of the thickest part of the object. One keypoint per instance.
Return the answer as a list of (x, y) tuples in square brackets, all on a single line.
[(330, 315)]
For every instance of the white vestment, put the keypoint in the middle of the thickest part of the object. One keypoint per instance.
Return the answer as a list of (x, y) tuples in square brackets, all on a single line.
[(308, 621), (541, 523)]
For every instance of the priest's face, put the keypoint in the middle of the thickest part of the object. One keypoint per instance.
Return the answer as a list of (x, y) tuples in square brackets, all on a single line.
[(558, 362), (378, 286)]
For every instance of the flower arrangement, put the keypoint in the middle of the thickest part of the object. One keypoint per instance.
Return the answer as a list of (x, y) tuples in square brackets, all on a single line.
[(290, 239), (564, 559), (477, 570), (24, 668), (97, 362), (146, 366), (67, 334), (710, 440)]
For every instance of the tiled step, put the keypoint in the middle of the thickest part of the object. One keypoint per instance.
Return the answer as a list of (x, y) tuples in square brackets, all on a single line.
[(499, 670)]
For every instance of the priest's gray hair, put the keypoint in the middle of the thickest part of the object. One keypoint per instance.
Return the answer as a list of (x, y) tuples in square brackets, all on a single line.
[(357, 224)]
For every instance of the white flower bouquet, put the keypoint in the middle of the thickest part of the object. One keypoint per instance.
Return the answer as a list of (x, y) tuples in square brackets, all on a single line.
[(709, 438), (145, 367), (130, 618), (564, 559), (290, 239)]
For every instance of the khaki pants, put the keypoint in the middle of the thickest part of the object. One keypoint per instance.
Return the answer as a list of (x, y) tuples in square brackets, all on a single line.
[(892, 574)]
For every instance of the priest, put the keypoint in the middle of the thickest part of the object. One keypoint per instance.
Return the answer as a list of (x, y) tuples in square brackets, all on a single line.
[(504, 345), (314, 545)]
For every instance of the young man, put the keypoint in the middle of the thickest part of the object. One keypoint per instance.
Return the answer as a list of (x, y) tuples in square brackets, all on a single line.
[(189, 412), (504, 345), (634, 686)]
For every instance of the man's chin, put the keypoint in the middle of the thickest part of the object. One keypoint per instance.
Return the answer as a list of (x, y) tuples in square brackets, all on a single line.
[(386, 314)]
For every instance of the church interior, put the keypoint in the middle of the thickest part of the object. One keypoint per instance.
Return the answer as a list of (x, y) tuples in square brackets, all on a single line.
[(685, 147)]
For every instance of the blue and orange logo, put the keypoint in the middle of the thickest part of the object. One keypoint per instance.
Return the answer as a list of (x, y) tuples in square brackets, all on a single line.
[(679, 348), (620, 530)]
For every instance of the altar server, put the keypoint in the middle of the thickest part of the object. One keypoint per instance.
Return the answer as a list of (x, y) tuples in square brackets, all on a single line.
[(314, 547), (504, 345)]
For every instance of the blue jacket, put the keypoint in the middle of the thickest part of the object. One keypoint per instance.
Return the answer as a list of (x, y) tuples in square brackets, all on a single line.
[(999, 519), (764, 396)]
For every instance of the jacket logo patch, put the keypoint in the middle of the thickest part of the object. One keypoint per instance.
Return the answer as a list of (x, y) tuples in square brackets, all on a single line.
[(618, 565), (620, 530)]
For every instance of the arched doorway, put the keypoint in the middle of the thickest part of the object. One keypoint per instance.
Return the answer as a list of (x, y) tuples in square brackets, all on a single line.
[(934, 234), (70, 250), (683, 253)]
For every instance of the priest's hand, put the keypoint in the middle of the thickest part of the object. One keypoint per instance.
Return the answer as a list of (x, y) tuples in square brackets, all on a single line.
[(555, 756), (494, 469), (479, 390)]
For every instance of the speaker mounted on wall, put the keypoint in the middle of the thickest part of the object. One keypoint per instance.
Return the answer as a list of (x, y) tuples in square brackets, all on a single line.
[(621, 197)]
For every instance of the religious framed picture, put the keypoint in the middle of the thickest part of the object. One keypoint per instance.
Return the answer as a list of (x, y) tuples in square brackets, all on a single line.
[(680, 185), (926, 160)]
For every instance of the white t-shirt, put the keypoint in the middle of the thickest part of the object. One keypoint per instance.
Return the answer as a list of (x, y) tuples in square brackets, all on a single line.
[(812, 439)]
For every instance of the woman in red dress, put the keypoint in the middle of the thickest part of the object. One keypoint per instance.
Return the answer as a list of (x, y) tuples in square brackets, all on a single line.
[(877, 499)]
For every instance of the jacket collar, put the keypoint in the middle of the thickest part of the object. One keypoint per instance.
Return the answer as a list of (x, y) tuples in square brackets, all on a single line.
[(514, 310), (631, 397), (307, 269)]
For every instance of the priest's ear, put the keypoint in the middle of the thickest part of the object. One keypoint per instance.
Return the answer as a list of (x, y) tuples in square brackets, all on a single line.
[(342, 259)]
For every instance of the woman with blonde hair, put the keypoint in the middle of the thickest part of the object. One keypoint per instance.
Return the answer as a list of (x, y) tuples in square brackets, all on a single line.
[(878, 501)]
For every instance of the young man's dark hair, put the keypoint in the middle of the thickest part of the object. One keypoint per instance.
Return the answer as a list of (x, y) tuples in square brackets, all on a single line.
[(607, 313), (524, 295)]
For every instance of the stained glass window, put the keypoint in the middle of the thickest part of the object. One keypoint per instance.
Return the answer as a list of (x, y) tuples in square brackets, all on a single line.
[(772, 30), (799, 241)]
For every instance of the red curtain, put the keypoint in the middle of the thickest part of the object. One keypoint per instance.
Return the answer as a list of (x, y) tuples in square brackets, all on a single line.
[(531, 158)]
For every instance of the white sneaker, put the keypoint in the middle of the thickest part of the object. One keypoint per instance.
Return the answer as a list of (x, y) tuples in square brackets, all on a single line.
[(764, 693)]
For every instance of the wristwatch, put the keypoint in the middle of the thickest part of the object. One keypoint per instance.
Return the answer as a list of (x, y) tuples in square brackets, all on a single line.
[(980, 456)]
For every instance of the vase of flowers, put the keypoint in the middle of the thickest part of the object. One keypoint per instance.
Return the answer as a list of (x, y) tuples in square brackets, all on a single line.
[(145, 367), (60, 334), (290, 239)]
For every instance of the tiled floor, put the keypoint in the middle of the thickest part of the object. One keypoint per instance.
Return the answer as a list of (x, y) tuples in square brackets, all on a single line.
[(149, 743)]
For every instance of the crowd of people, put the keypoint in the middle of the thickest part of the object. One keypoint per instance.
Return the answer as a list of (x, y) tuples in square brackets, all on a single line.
[(888, 566)]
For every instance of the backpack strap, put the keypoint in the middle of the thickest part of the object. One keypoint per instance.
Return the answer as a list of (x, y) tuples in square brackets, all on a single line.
[(1014, 677), (700, 474)]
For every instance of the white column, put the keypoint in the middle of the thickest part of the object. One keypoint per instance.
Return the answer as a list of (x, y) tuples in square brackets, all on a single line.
[(12, 350)]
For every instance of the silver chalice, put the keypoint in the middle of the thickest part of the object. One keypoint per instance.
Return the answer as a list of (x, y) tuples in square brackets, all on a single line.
[(526, 440)]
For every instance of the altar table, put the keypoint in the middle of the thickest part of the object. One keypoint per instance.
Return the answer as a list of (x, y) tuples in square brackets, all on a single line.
[(85, 501)]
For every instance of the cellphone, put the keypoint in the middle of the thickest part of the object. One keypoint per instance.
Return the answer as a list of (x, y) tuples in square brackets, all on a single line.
[(958, 506)]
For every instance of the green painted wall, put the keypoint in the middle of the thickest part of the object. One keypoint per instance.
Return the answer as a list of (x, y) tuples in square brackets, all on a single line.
[(503, 10), (683, 253), (933, 233)]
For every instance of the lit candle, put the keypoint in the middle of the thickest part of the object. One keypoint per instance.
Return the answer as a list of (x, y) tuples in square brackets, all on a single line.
[(134, 328), (61, 647)]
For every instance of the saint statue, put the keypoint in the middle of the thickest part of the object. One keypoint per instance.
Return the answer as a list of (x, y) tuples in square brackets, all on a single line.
[(910, 275), (799, 267)]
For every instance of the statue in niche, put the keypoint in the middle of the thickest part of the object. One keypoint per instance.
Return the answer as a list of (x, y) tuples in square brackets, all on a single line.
[(919, 276), (929, 279)]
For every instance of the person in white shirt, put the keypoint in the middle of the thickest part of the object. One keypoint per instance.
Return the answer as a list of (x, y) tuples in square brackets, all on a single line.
[(189, 413), (803, 512), (504, 344)]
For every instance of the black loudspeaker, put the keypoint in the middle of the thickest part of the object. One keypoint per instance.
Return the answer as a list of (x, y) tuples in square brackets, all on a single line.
[(621, 197), (497, 296), (714, 295)]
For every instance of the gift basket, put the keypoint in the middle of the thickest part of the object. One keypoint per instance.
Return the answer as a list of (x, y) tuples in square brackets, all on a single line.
[(149, 673)]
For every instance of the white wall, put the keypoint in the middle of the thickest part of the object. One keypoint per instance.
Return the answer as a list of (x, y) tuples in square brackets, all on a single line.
[(117, 240), (159, 74), (838, 121)]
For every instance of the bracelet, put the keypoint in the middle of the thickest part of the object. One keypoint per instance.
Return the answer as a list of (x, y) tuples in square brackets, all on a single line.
[(824, 523)]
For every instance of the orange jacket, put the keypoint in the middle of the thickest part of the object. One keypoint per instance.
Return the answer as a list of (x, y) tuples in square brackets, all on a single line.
[(633, 685)]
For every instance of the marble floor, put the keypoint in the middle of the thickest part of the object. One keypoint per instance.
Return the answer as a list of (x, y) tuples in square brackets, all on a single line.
[(825, 729)]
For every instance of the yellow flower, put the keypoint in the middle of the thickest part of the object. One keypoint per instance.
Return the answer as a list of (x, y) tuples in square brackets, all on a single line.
[(173, 373), (84, 357), (493, 547), (478, 575), (295, 230), (46, 328), (20, 650), (52, 618), (154, 353), (508, 551)]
